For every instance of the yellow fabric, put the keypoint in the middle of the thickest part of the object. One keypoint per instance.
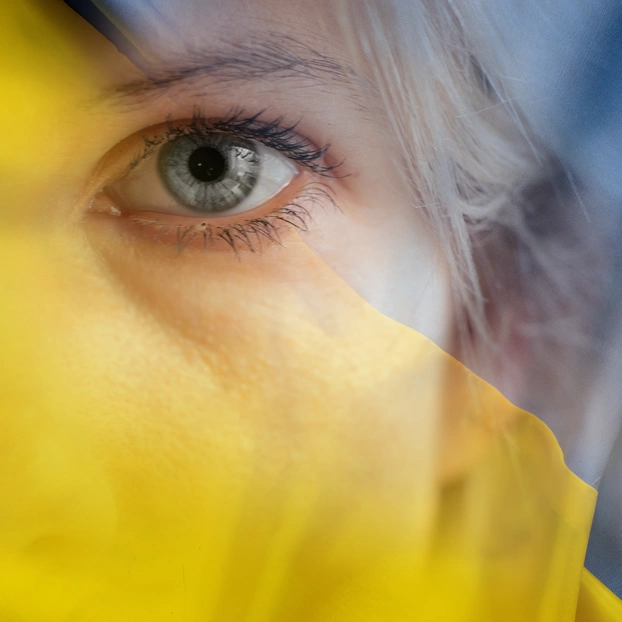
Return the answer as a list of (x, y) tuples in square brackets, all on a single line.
[(323, 463), (411, 488), (596, 602)]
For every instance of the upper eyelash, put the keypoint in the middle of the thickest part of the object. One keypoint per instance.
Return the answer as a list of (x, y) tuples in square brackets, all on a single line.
[(273, 134)]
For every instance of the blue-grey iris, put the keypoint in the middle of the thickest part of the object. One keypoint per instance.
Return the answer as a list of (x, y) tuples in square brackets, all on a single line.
[(209, 173)]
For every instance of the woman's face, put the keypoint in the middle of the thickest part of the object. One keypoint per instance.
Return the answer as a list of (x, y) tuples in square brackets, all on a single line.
[(216, 396), (148, 289), (159, 336)]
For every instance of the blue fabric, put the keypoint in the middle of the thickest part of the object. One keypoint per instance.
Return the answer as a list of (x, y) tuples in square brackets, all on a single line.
[(107, 21), (591, 125)]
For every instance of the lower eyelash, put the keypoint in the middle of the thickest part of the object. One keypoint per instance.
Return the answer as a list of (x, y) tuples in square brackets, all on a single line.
[(248, 235)]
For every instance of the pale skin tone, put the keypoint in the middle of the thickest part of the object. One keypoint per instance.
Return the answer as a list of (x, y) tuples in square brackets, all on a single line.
[(372, 234)]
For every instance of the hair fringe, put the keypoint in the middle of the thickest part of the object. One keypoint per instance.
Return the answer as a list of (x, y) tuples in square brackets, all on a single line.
[(525, 259)]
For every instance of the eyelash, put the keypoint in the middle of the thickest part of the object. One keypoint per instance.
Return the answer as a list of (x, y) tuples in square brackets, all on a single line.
[(272, 134), (248, 234)]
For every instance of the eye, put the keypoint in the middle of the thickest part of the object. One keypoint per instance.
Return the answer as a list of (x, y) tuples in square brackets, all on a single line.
[(208, 174), (229, 183)]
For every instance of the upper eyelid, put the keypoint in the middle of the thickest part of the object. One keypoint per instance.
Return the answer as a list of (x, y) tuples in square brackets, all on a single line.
[(273, 134)]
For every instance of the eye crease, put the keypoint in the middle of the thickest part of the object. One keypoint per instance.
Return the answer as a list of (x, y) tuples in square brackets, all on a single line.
[(237, 180)]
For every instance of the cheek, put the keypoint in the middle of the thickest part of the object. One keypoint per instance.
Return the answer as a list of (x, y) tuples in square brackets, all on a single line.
[(192, 410), (193, 379), (378, 243), (261, 348)]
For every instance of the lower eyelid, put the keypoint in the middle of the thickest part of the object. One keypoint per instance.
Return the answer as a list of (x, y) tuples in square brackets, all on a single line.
[(248, 231)]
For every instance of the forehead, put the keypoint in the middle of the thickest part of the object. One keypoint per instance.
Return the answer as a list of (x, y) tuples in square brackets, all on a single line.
[(165, 28), (269, 44)]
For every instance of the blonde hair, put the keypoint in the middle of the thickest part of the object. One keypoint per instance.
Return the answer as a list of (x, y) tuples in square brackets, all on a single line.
[(505, 212), (525, 259)]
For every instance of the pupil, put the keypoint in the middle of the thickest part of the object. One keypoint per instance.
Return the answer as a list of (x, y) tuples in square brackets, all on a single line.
[(207, 164)]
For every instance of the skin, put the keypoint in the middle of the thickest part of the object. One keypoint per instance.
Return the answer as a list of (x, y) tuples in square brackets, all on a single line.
[(372, 213), (132, 297), (114, 278)]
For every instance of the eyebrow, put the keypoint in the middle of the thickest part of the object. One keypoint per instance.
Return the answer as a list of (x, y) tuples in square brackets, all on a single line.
[(269, 56)]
